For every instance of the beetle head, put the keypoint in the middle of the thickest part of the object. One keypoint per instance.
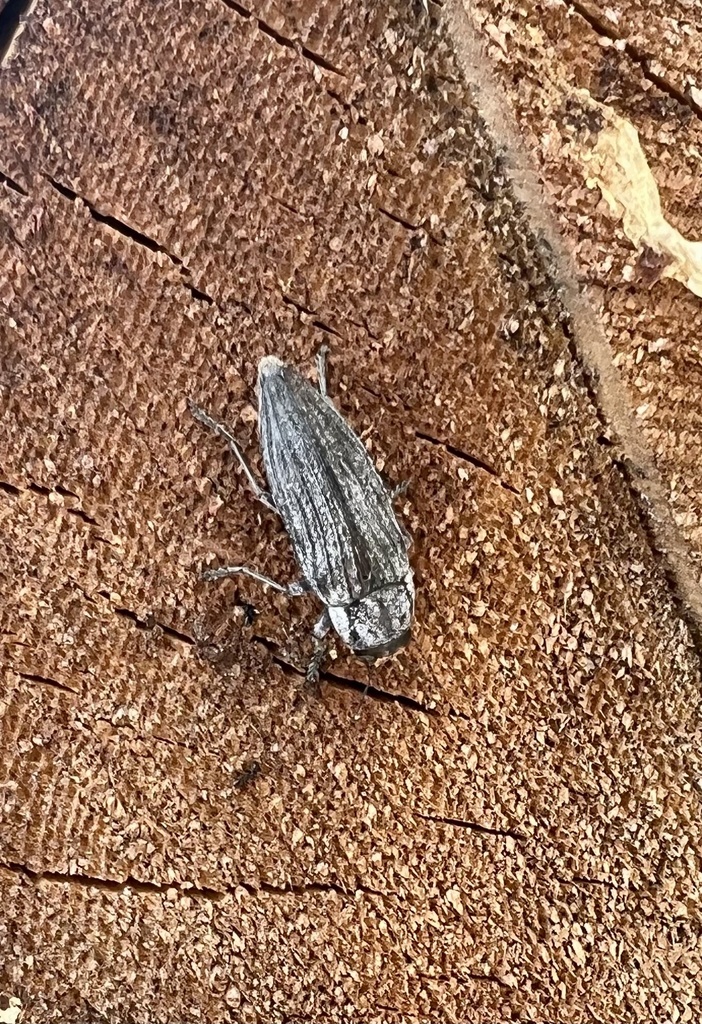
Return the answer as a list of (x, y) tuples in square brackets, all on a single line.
[(378, 625)]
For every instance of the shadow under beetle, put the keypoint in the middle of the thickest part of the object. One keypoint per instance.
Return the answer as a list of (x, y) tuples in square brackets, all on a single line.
[(336, 510)]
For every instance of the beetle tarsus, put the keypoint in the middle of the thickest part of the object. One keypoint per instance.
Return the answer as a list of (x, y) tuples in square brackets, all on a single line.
[(315, 663), (399, 489), (321, 361), (322, 626)]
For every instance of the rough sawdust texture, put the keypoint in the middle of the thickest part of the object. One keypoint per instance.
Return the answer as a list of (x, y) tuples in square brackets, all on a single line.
[(616, 164), (664, 36), (505, 825), (548, 53)]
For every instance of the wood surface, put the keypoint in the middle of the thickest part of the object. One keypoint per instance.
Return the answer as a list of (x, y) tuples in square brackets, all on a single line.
[(503, 822)]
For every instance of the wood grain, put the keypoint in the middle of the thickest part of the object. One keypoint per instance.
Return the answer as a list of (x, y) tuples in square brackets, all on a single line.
[(505, 824)]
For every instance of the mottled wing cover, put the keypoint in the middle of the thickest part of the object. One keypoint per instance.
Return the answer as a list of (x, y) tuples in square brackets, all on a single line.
[(332, 501)]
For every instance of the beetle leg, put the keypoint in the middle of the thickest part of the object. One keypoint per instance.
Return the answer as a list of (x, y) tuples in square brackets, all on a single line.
[(322, 627), (320, 649), (399, 489), (291, 589), (395, 492), (321, 360), (319, 632), (312, 671), (219, 428)]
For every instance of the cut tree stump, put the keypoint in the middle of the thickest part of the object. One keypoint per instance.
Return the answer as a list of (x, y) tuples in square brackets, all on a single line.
[(503, 822)]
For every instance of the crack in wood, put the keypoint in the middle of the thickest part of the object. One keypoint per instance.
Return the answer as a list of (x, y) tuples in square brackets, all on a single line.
[(412, 228), (187, 889), (150, 624), (299, 306), (33, 677), (322, 326), (302, 889), (363, 326), (80, 514), (142, 624), (385, 696), (139, 238), (473, 826), (197, 293), (134, 235), (116, 886), (344, 683), (397, 219), (451, 449), (45, 492), (603, 27), (114, 222), (306, 311), (5, 179), (459, 453), (282, 40), (289, 207)]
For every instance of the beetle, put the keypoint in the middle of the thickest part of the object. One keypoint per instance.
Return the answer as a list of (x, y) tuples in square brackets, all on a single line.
[(336, 509)]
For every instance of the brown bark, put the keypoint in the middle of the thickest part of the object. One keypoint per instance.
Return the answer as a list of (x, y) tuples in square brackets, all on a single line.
[(505, 824)]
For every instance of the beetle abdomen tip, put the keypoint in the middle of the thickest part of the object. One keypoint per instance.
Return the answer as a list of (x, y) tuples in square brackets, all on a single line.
[(268, 366)]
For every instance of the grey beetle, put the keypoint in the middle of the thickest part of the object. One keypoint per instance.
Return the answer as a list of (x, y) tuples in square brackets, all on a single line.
[(336, 510)]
